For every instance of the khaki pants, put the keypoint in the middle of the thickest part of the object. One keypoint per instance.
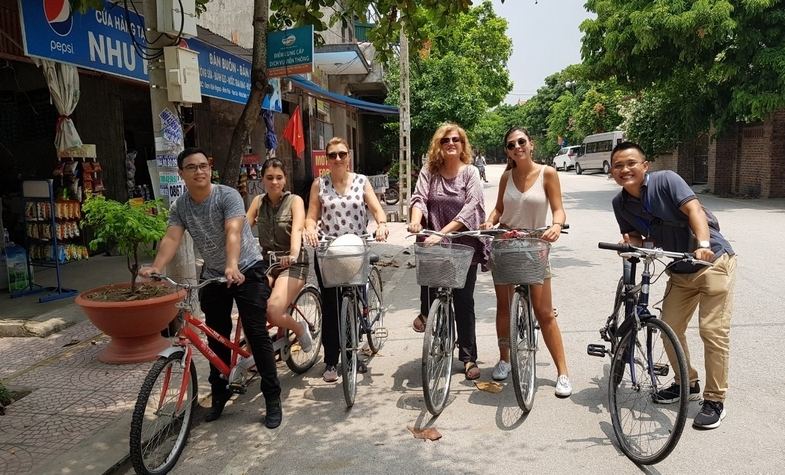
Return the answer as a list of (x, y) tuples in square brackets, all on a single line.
[(711, 289)]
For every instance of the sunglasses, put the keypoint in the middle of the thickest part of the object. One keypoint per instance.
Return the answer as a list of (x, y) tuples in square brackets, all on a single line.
[(521, 142), (446, 140), (334, 155)]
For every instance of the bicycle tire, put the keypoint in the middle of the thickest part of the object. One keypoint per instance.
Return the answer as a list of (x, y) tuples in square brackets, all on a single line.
[(375, 310), (523, 351), (642, 411), (348, 341), (437, 349), (307, 306), (150, 448)]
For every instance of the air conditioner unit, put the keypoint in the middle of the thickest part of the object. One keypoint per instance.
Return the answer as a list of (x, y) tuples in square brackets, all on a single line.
[(174, 15)]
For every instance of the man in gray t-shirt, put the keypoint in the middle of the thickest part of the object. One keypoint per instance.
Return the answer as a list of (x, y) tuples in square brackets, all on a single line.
[(214, 215)]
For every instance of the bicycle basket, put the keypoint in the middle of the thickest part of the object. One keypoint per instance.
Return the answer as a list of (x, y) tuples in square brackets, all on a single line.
[(342, 266), (442, 265), (519, 260)]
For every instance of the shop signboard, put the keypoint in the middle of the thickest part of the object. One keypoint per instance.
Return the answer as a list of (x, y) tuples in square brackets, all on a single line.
[(290, 51), (101, 40)]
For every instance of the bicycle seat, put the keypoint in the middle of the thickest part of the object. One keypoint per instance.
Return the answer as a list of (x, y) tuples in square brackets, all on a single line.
[(373, 258)]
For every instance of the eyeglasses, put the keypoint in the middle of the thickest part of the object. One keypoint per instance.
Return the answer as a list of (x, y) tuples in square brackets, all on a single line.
[(193, 167), (520, 142), (619, 166), (334, 155), (446, 140)]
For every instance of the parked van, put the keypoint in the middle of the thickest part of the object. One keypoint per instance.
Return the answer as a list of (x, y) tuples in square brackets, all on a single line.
[(595, 153)]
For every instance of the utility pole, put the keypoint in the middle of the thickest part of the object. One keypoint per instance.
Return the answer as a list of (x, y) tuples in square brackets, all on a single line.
[(183, 266), (404, 137)]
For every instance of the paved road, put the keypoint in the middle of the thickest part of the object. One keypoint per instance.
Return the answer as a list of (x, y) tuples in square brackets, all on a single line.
[(485, 432)]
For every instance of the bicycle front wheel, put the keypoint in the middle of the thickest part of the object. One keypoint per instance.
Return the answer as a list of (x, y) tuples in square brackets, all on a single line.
[(348, 339), (647, 432), (523, 351), (163, 414), (307, 307), (375, 311), (437, 346)]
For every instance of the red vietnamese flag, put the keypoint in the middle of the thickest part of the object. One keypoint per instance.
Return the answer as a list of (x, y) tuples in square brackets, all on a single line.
[(294, 132)]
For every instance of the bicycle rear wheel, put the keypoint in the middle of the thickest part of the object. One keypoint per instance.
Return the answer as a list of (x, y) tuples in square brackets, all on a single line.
[(437, 346), (647, 432), (375, 311), (348, 339), (162, 416), (307, 307), (523, 351)]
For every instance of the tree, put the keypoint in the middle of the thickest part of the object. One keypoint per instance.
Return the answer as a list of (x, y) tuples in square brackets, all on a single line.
[(392, 16), (458, 75), (716, 60)]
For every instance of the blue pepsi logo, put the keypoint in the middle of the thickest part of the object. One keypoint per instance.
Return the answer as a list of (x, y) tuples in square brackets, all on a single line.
[(58, 16)]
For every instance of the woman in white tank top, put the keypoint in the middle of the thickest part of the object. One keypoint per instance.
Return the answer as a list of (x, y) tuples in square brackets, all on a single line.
[(526, 191)]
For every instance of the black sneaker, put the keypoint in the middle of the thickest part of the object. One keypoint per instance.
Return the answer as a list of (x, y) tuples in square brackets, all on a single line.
[(274, 415), (673, 393), (711, 415), (220, 398)]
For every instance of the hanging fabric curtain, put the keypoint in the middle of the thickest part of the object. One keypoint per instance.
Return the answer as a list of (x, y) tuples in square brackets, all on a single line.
[(63, 82)]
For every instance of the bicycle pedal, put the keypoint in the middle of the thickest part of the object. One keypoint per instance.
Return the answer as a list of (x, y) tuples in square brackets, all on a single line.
[(594, 349), (380, 332), (661, 369), (237, 388)]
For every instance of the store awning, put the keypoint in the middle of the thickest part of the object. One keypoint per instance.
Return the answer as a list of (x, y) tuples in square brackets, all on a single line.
[(322, 93)]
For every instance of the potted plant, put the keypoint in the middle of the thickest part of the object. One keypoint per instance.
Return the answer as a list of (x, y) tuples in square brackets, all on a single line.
[(132, 313)]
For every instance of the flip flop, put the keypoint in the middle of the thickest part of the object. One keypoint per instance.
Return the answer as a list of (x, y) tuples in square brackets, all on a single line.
[(471, 370), (418, 324)]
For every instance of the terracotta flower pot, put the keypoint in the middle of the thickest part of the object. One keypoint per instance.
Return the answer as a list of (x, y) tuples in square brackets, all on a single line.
[(135, 326)]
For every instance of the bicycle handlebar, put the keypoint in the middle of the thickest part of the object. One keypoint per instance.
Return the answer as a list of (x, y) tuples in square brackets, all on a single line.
[(483, 232), (161, 277), (654, 253)]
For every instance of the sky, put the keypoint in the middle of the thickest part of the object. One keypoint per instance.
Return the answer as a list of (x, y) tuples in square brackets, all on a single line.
[(545, 39)]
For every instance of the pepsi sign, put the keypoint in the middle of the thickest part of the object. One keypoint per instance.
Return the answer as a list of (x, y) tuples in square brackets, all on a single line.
[(101, 40), (58, 16)]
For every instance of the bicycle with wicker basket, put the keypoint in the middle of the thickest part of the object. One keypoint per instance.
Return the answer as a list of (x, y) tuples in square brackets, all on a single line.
[(442, 266), (350, 268), (520, 258)]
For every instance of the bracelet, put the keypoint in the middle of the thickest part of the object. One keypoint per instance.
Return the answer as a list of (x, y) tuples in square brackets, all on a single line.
[(561, 225), (379, 223)]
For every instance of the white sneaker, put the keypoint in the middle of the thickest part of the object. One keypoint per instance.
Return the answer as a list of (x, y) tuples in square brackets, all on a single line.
[(306, 342), (501, 370), (563, 386)]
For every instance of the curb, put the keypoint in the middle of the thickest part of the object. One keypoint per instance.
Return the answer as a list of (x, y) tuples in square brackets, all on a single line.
[(44, 324)]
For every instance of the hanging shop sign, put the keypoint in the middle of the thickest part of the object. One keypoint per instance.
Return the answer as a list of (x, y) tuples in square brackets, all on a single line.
[(290, 51), (101, 40)]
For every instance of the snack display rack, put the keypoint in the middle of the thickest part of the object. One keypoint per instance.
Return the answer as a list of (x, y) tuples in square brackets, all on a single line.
[(52, 234)]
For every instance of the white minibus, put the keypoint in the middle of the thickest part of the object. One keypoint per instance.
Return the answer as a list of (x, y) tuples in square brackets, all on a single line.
[(595, 153)]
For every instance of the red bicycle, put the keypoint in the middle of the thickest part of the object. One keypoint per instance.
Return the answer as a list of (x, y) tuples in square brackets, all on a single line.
[(163, 414)]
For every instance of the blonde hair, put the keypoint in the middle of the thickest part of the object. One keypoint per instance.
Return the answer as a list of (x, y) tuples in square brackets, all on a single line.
[(435, 158), (336, 141)]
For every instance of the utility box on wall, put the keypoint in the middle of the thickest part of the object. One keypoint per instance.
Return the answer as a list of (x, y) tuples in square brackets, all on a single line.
[(176, 17), (182, 75)]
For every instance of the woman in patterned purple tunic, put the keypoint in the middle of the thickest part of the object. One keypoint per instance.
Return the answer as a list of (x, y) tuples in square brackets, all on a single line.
[(449, 197), (339, 203)]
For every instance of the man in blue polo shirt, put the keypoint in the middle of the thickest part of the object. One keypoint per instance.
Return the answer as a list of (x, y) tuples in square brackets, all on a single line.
[(661, 208)]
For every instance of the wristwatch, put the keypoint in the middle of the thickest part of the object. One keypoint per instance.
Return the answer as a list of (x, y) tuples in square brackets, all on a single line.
[(704, 245)]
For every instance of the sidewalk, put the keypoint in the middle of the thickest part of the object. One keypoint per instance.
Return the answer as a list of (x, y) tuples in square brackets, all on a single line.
[(76, 417)]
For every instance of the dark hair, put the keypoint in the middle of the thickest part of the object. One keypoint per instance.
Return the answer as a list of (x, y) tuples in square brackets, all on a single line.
[(622, 146), (514, 128), (273, 163), (187, 153)]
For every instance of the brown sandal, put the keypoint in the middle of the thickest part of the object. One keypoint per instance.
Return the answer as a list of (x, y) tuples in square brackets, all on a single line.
[(419, 323), (471, 370)]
